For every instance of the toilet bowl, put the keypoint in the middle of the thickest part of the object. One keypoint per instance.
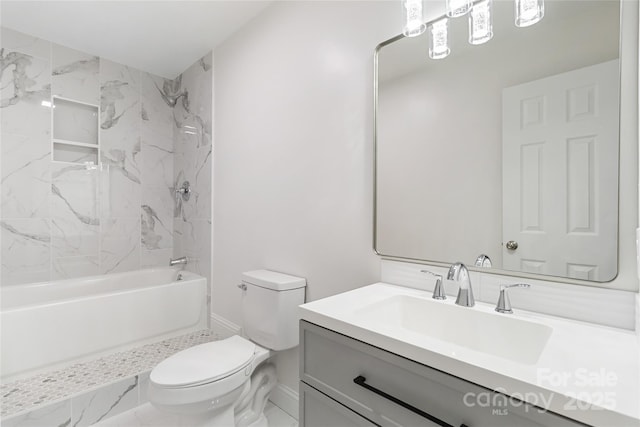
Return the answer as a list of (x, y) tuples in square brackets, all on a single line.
[(228, 382), (211, 378)]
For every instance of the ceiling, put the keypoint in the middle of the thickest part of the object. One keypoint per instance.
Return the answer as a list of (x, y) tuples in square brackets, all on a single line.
[(160, 37)]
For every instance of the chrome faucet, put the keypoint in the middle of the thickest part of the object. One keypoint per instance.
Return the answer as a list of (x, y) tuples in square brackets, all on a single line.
[(458, 272), (504, 304), (178, 261)]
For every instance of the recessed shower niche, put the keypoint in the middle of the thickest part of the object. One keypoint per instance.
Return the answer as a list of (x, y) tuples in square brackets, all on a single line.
[(75, 131)]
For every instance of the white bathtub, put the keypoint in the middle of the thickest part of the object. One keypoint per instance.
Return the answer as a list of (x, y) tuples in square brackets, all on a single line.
[(48, 325)]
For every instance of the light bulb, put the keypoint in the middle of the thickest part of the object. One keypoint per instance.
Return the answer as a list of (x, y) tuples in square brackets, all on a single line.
[(481, 22), (456, 8), (439, 40), (528, 12), (414, 21)]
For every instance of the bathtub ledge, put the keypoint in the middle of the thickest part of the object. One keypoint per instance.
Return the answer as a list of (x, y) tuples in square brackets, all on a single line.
[(122, 375)]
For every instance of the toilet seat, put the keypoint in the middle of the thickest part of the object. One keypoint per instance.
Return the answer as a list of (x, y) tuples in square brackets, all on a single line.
[(206, 363)]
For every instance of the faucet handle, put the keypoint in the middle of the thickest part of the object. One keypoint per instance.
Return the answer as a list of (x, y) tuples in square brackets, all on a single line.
[(504, 304), (438, 290)]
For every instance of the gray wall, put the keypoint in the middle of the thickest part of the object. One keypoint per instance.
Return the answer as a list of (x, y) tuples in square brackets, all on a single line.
[(294, 150)]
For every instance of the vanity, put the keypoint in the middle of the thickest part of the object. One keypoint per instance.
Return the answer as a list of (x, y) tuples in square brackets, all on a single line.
[(377, 356)]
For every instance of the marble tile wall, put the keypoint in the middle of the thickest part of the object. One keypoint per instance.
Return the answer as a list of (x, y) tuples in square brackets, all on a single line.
[(192, 130), (25, 154), (60, 220)]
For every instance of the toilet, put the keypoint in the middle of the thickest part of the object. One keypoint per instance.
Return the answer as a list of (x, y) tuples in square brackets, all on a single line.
[(228, 382)]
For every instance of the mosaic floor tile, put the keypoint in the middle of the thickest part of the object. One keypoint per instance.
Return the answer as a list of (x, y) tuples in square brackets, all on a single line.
[(33, 392)]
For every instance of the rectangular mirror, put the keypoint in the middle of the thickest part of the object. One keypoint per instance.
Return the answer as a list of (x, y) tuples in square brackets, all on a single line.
[(508, 149)]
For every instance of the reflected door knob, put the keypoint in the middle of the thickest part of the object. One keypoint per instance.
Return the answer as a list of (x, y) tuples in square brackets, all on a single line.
[(512, 245)]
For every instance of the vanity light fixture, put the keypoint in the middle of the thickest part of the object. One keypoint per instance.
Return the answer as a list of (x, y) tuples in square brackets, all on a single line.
[(529, 12), (413, 11), (481, 22), (439, 39)]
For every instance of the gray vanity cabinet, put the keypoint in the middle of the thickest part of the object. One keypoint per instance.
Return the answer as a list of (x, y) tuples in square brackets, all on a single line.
[(345, 382), (321, 410)]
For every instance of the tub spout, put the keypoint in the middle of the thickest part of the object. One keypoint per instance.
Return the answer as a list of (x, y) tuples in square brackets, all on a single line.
[(179, 261)]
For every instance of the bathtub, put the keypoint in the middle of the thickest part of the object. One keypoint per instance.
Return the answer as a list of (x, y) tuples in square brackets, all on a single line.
[(47, 325)]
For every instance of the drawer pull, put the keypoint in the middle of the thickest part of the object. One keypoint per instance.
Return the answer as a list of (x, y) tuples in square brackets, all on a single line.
[(361, 381)]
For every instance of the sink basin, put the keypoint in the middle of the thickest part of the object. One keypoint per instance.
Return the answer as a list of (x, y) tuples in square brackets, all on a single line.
[(496, 334)]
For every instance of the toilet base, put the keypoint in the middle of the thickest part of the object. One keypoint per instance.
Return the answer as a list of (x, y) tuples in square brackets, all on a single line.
[(260, 422), (250, 408), (222, 419), (243, 407)]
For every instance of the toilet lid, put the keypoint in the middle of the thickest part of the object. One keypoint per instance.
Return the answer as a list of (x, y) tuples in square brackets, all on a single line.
[(204, 363)]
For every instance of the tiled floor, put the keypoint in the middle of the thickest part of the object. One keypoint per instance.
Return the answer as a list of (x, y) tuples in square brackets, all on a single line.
[(148, 416), (278, 418)]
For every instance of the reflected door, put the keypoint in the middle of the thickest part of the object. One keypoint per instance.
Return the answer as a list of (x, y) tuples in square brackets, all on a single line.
[(560, 183)]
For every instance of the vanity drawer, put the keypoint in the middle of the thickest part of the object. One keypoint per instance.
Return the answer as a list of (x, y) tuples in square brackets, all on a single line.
[(330, 362), (319, 410)]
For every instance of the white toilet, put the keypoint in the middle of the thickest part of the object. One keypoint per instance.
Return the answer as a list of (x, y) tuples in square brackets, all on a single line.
[(227, 382)]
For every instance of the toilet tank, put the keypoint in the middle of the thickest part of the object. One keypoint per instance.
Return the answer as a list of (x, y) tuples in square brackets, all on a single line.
[(270, 302)]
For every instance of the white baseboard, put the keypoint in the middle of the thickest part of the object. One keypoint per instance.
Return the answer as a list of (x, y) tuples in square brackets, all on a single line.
[(223, 327), (285, 398)]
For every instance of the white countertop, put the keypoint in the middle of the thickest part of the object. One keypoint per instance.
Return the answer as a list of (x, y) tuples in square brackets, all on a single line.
[(586, 372)]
